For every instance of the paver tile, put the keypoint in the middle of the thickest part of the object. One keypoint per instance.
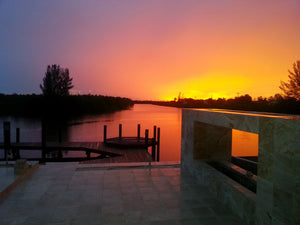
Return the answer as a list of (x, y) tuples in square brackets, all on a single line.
[(60, 193)]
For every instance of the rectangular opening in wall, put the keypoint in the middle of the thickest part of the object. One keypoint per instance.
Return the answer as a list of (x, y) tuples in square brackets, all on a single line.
[(244, 144)]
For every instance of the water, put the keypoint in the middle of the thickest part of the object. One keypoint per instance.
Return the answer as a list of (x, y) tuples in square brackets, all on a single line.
[(90, 128), (244, 143)]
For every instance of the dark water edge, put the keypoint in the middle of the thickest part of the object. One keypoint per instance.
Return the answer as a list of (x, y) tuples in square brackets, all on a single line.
[(56, 114), (60, 106)]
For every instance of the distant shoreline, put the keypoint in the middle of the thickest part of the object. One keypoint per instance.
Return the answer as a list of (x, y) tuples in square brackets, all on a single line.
[(245, 103)]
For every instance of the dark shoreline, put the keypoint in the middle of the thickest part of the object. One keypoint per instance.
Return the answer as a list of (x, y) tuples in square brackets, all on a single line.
[(245, 103), (61, 106)]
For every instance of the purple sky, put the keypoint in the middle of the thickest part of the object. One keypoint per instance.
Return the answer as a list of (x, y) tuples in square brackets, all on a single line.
[(151, 49)]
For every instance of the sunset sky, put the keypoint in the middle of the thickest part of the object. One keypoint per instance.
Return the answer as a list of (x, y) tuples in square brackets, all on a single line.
[(151, 49)]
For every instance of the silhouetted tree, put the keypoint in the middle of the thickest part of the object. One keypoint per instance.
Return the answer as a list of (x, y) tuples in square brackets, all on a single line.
[(244, 99), (57, 81), (292, 87)]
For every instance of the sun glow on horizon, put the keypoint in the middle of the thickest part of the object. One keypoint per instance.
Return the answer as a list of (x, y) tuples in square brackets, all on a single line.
[(211, 86)]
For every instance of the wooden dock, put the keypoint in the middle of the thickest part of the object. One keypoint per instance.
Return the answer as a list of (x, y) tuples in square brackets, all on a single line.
[(129, 142), (106, 154), (89, 147), (119, 149), (123, 155)]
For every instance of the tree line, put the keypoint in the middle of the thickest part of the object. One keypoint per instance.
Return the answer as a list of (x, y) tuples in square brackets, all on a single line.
[(288, 102), (277, 104), (61, 106), (56, 99)]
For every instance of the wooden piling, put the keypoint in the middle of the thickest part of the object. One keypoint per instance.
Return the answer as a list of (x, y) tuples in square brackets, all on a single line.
[(153, 152), (139, 131), (105, 134), (6, 133), (17, 135), (158, 144), (44, 139), (16, 153), (120, 130), (153, 144), (60, 154), (146, 138), (154, 133), (59, 135)]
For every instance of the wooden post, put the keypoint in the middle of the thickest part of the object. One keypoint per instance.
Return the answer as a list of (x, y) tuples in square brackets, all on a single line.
[(139, 131), (153, 143), (153, 151), (105, 134), (154, 133), (59, 154), (17, 135), (6, 133), (44, 139), (146, 138), (17, 151), (158, 143), (59, 135), (120, 130)]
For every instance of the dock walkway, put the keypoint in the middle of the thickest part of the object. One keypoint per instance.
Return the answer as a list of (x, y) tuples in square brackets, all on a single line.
[(106, 154)]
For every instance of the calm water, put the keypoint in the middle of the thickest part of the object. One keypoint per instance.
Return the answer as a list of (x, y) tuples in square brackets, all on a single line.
[(90, 128)]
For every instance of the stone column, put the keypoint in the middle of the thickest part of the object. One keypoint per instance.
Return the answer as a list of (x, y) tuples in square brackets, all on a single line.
[(286, 191), (264, 200), (278, 184)]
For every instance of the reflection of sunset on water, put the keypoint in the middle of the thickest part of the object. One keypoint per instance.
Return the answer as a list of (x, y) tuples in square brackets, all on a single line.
[(167, 118), (244, 143)]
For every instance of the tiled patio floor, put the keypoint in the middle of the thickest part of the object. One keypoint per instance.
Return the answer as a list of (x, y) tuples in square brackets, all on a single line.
[(65, 193), (6, 176)]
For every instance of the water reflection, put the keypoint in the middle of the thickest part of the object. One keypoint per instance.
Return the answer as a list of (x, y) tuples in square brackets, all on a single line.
[(90, 128), (244, 143)]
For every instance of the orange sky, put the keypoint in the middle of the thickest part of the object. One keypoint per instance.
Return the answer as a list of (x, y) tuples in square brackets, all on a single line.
[(151, 49)]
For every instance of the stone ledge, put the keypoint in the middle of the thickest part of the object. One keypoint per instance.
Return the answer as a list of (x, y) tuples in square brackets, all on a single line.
[(241, 201)]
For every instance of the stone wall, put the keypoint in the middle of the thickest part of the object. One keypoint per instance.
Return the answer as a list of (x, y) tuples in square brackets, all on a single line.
[(206, 135)]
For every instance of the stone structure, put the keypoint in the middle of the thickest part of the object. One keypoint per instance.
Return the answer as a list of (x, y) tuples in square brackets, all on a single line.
[(206, 135)]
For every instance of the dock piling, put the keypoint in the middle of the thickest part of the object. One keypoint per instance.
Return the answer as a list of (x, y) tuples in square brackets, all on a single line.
[(139, 131), (59, 135), (154, 133), (6, 133), (153, 152), (153, 143), (158, 144), (16, 152), (44, 139), (146, 138), (120, 130), (60, 154), (17, 135), (105, 134)]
